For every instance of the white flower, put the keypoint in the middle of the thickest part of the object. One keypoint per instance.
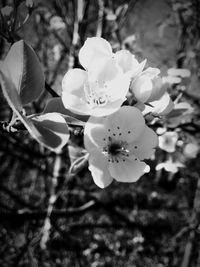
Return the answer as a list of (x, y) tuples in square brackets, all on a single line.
[(184, 73), (99, 49), (170, 166), (129, 63), (148, 86), (117, 145), (6, 11), (56, 23), (191, 150), (100, 89), (162, 106), (168, 141)]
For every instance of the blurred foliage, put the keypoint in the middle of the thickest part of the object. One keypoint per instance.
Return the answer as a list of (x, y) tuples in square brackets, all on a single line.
[(154, 222)]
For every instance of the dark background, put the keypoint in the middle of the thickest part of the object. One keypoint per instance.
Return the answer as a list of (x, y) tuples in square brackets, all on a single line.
[(154, 222)]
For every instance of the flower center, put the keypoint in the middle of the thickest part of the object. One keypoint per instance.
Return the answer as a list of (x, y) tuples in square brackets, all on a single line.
[(96, 95), (116, 151)]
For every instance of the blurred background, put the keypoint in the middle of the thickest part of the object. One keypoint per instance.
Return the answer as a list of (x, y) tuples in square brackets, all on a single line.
[(154, 222)]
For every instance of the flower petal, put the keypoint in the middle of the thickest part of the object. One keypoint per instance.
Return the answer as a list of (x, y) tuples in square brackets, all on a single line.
[(75, 104), (118, 87), (168, 141), (151, 72), (128, 62), (107, 109), (103, 70), (137, 69), (128, 171), (144, 147), (126, 124), (160, 107), (142, 88), (94, 134), (73, 82), (93, 49), (124, 59), (99, 170)]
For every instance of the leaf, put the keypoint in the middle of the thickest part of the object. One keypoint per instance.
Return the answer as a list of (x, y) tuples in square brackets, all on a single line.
[(50, 130), (9, 90), (56, 105), (25, 71)]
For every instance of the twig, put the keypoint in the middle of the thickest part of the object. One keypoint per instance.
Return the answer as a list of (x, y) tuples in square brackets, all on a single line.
[(100, 18), (50, 90), (52, 199), (75, 37), (55, 214)]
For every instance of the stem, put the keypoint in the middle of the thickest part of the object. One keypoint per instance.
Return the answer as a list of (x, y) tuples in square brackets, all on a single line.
[(100, 18), (50, 90), (52, 199), (75, 37)]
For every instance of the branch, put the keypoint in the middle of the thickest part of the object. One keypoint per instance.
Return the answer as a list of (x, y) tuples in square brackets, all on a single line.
[(50, 90), (55, 214)]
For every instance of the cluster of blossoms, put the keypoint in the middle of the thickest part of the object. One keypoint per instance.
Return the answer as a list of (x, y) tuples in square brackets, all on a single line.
[(116, 136)]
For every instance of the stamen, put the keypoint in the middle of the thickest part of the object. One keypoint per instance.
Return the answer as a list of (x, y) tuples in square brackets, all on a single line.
[(96, 97)]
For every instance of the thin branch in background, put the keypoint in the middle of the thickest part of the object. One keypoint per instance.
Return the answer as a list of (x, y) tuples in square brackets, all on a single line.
[(188, 250), (125, 16), (52, 199), (50, 90), (75, 37), (57, 68), (100, 18), (83, 25)]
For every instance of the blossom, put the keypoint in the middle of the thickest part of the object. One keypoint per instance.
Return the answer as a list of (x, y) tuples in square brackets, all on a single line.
[(184, 73), (162, 106), (168, 141), (170, 166), (117, 145), (56, 23), (191, 150), (98, 49), (6, 11), (102, 87), (129, 63), (148, 86)]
